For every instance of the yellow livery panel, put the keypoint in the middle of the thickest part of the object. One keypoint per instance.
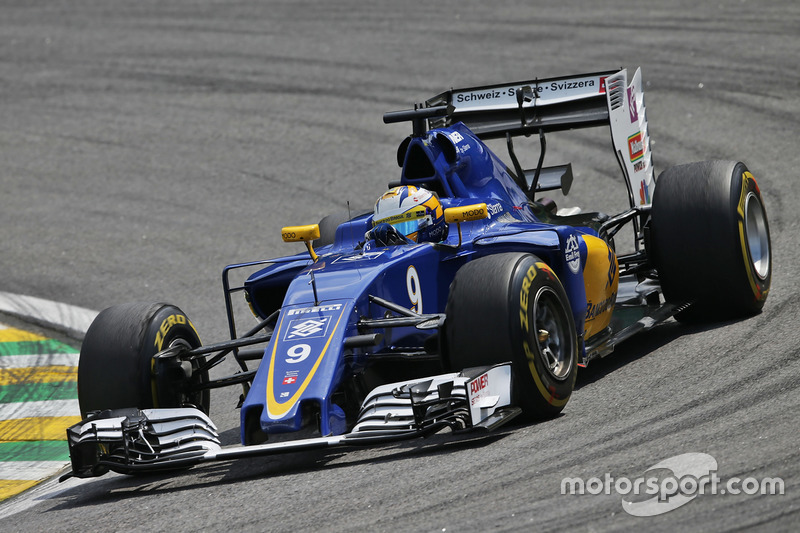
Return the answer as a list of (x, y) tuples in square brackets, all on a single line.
[(600, 279)]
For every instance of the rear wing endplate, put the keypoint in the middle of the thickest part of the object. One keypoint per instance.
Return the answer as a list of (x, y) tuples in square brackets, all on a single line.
[(630, 135)]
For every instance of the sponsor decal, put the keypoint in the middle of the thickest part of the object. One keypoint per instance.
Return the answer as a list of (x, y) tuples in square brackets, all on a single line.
[(644, 193), (632, 109), (473, 212), (571, 85), (638, 166), (572, 254), (478, 384), (366, 256), (478, 389), (307, 328), (507, 96), (494, 209), (284, 395), (636, 146), (595, 310), (492, 94), (455, 137), (315, 309), (402, 217)]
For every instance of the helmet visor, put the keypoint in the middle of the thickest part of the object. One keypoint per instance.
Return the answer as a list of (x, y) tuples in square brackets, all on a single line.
[(409, 222)]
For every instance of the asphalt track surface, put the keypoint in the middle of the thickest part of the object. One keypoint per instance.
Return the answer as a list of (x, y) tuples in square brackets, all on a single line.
[(144, 145)]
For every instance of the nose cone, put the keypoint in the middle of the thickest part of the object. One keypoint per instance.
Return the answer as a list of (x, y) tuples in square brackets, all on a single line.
[(301, 366)]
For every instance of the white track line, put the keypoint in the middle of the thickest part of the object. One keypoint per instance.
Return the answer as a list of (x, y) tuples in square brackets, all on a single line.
[(29, 470), (44, 359), (48, 408), (63, 317)]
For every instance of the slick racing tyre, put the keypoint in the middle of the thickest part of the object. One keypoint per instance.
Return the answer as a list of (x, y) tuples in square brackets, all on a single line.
[(512, 307), (710, 240), (115, 368)]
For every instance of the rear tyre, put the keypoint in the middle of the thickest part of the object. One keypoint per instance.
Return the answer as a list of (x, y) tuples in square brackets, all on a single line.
[(512, 307), (115, 366), (710, 240)]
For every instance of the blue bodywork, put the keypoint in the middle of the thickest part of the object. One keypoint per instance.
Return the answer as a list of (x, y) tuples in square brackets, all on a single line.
[(308, 363)]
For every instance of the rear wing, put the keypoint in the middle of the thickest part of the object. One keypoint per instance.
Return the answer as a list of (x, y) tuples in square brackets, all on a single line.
[(526, 107), (547, 105)]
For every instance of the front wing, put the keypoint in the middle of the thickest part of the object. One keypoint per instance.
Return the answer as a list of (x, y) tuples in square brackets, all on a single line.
[(132, 441)]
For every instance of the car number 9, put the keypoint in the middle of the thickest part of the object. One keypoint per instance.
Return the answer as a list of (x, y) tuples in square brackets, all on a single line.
[(414, 289), (298, 353)]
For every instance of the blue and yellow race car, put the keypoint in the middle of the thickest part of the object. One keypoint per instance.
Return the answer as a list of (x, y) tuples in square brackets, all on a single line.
[(464, 298)]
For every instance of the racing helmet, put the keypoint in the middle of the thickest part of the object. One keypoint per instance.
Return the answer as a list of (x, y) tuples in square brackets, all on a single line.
[(414, 212)]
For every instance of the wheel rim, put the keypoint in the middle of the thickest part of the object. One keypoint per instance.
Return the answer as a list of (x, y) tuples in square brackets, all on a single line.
[(553, 336), (184, 398), (755, 224), (180, 341)]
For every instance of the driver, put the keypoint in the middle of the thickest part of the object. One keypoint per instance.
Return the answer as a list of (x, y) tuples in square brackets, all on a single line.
[(407, 214)]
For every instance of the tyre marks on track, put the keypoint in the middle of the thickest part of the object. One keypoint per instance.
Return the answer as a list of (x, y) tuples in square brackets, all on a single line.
[(38, 401)]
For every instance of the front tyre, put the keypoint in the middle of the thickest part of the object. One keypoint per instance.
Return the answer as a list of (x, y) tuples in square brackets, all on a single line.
[(512, 307), (115, 369), (710, 239)]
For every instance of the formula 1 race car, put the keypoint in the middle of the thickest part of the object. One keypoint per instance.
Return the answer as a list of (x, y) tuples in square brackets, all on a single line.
[(374, 334)]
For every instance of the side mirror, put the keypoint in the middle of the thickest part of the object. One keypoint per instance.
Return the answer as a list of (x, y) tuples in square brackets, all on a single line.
[(305, 234), (465, 213)]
